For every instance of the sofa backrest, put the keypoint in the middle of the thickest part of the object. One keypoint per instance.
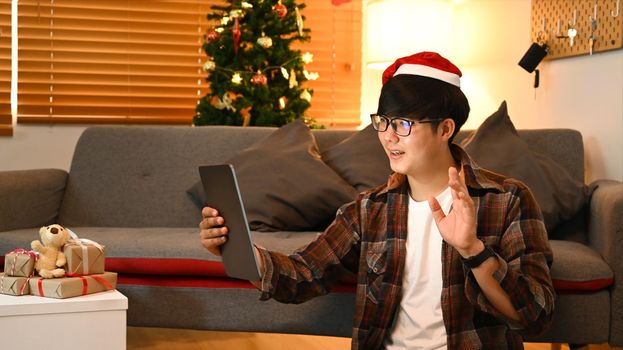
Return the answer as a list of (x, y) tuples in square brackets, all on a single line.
[(138, 176), (565, 146)]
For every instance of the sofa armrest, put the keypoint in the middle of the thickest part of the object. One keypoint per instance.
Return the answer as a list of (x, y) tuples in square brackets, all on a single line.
[(30, 198), (605, 235)]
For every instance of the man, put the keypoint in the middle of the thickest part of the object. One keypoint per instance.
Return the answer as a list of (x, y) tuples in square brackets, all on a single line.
[(447, 255)]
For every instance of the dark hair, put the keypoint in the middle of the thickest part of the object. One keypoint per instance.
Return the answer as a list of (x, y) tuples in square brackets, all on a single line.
[(417, 97)]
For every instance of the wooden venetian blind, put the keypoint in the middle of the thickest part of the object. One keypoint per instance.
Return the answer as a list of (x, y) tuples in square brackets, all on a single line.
[(113, 61), (138, 61), (336, 45), (6, 122)]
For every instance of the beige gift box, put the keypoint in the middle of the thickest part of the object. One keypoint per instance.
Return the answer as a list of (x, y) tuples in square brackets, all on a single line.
[(84, 258), (67, 287), (12, 285), (19, 263)]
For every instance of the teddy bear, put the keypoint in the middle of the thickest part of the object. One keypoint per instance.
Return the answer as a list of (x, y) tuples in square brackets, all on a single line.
[(51, 258)]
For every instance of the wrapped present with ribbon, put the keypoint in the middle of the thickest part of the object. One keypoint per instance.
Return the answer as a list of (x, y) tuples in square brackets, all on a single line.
[(84, 256), (67, 287), (20, 263), (13, 285)]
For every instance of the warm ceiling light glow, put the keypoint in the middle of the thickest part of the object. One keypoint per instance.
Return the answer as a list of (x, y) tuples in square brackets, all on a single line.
[(397, 28)]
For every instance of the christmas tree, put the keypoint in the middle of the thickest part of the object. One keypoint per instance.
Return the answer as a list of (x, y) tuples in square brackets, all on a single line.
[(255, 77)]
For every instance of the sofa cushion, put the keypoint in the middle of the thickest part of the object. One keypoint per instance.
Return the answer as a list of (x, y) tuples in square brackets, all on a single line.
[(360, 160), (578, 268), (496, 145), (159, 250), (284, 183), (176, 252), (162, 256)]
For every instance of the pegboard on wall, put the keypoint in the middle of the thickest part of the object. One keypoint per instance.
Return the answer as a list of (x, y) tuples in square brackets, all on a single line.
[(552, 19)]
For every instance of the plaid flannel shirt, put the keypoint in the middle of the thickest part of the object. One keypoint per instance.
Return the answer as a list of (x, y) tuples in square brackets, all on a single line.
[(368, 236)]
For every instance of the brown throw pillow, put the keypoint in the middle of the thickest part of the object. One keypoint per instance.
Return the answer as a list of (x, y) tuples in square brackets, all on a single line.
[(284, 183), (496, 146), (360, 160)]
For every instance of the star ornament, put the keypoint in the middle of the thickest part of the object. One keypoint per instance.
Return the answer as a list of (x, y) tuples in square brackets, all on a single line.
[(307, 57), (236, 79)]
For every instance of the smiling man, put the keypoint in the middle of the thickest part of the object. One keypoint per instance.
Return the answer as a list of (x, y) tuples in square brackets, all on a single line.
[(447, 255)]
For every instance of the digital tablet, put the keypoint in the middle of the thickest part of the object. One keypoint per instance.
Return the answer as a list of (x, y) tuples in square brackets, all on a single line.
[(222, 193)]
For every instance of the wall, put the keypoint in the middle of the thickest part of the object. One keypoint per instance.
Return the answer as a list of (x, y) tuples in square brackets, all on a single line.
[(33, 147), (583, 93)]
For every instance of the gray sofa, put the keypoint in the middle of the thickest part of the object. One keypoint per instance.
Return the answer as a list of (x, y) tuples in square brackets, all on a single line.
[(127, 190)]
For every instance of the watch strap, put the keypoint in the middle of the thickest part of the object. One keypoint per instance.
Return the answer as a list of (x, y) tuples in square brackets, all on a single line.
[(478, 259)]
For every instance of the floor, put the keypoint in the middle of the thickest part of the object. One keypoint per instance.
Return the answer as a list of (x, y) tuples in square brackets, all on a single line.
[(187, 339)]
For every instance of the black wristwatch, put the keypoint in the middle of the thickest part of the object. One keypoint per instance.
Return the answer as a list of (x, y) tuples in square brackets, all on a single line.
[(478, 259)]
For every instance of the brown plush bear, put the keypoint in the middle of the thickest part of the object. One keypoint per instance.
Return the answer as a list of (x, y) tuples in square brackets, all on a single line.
[(51, 257)]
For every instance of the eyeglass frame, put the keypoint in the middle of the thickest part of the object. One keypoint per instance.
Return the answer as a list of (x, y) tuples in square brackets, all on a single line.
[(390, 121)]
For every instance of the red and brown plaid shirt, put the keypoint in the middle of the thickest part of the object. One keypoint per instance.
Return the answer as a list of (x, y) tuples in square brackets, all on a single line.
[(368, 239)]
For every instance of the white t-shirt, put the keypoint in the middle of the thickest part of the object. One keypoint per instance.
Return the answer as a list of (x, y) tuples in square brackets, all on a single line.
[(419, 321)]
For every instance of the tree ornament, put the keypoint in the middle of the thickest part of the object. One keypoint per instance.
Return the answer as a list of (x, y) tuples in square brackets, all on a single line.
[(225, 20), (265, 41), (305, 95), (246, 46), (307, 57), (311, 76), (236, 78), (236, 13), (236, 34), (280, 10), (284, 72), (293, 83), (246, 5), (223, 103), (212, 36), (299, 20), (208, 66), (245, 113), (259, 79), (282, 102)]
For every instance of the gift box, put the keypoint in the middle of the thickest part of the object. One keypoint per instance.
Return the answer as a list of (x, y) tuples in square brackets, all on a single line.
[(20, 263), (67, 287), (84, 257), (12, 285)]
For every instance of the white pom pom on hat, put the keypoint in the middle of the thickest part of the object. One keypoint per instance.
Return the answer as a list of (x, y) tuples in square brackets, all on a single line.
[(426, 64)]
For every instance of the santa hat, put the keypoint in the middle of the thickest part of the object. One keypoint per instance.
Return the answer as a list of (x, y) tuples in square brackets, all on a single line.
[(426, 64)]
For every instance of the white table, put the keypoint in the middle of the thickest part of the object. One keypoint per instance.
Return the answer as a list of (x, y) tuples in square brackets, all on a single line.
[(96, 321)]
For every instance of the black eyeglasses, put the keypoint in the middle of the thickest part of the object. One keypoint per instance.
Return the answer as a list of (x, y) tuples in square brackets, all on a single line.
[(401, 126)]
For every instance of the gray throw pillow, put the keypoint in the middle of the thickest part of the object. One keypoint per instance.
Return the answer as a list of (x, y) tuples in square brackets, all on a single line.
[(496, 146), (284, 183), (360, 160)]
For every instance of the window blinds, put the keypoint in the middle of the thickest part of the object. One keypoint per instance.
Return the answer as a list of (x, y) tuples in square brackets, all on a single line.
[(6, 128), (123, 61)]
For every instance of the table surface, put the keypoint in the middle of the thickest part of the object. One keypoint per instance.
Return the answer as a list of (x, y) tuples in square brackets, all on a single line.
[(33, 305)]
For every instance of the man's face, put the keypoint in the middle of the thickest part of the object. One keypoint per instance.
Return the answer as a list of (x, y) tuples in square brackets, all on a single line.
[(412, 154)]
